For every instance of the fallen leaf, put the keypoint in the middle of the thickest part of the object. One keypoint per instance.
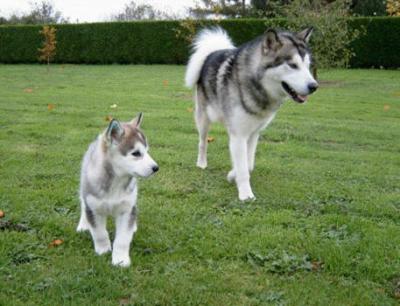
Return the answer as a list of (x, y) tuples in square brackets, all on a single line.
[(56, 243), (114, 106), (124, 301), (28, 90), (386, 107), (108, 118), (165, 82), (2, 214), (210, 139), (50, 106), (316, 265), (190, 109)]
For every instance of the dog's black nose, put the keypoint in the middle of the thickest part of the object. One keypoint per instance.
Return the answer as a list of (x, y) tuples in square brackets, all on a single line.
[(312, 87), (155, 168)]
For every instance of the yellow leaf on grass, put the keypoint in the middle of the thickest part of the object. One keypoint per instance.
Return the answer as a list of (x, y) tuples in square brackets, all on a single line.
[(114, 106), (210, 139), (386, 107), (56, 243), (165, 82), (28, 90), (50, 106), (108, 118)]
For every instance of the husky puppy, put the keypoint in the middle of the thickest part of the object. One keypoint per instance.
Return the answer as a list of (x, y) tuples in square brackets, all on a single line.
[(243, 87), (108, 186)]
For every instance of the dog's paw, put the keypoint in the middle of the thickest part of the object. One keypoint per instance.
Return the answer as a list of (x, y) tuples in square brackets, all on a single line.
[(231, 176), (103, 248), (246, 195), (201, 164), (121, 260)]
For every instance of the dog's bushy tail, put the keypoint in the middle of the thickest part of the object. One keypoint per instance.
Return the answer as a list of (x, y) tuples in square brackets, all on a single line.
[(205, 43)]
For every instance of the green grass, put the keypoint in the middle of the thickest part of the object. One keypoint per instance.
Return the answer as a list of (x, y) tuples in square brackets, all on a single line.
[(324, 230)]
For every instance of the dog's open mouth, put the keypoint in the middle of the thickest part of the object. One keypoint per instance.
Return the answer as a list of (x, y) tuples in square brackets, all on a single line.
[(295, 96)]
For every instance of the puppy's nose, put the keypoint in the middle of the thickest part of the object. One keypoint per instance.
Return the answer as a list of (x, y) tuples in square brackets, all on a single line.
[(155, 168), (312, 87)]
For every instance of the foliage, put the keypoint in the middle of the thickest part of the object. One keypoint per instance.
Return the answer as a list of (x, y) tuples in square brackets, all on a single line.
[(48, 50), (332, 35), (379, 46), (220, 8), (168, 42), (41, 13), (393, 7), (134, 11), (369, 7)]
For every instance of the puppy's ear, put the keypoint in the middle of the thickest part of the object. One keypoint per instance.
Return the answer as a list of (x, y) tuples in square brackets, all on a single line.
[(114, 131), (271, 41), (137, 121), (305, 34)]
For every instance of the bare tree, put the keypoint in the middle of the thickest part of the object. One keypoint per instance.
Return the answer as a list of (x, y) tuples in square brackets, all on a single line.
[(133, 11), (42, 12)]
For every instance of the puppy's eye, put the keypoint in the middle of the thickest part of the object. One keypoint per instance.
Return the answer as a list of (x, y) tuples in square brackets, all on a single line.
[(293, 66), (136, 153)]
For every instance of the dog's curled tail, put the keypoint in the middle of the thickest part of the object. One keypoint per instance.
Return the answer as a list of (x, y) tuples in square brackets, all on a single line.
[(205, 43)]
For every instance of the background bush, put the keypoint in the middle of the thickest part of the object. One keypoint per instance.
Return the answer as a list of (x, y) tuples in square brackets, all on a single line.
[(157, 42)]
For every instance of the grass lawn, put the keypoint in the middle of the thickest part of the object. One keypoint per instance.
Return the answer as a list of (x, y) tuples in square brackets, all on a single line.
[(324, 230)]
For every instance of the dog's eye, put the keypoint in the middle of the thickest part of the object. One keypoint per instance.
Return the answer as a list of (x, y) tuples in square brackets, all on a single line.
[(136, 153), (293, 66)]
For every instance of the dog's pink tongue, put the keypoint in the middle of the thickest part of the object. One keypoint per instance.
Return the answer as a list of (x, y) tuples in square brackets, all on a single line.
[(302, 98)]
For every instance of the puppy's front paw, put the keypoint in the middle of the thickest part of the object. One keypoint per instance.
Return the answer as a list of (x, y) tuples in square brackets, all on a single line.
[(120, 260), (202, 164), (247, 197), (102, 248)]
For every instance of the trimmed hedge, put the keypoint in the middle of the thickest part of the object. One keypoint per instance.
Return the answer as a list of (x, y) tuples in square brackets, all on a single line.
[(379, 46), (156, 42)]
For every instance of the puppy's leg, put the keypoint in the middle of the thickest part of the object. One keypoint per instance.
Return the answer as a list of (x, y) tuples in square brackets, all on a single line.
[(98, 230), (251, 149), (238, 150), (126, 226), (202, 123)]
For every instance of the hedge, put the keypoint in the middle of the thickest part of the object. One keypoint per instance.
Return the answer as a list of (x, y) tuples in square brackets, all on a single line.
[(156, 42)]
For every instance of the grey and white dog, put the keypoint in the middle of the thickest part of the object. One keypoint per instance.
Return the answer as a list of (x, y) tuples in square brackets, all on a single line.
[(108, 186), (244, 87)]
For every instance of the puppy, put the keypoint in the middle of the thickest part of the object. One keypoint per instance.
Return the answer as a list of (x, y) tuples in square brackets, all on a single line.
[(108, 186)]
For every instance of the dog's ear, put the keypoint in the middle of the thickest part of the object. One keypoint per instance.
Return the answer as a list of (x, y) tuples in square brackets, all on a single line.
[(271, 41), (137, 121), (114, 131), (305, 34)]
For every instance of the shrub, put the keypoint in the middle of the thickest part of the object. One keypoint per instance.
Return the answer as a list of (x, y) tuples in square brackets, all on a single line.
[(158, 42)]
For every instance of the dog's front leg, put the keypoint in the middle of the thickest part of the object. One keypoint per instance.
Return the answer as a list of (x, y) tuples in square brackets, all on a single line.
[(251, 150), (99, 234), (238, 150), (125, 228)]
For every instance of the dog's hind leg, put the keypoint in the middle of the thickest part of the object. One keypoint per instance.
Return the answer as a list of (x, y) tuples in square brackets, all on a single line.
[(203, 124)]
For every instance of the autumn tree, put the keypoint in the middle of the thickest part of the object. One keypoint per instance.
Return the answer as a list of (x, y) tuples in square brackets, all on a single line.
[(393, 7), (48, 51)]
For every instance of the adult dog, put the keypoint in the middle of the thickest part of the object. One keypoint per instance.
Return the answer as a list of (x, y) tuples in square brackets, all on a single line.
[(243, 87)]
